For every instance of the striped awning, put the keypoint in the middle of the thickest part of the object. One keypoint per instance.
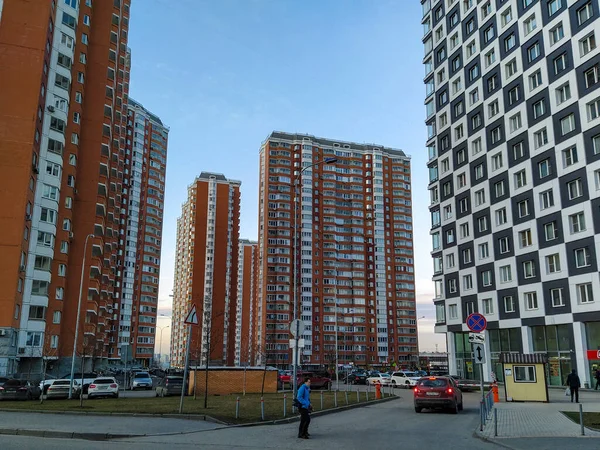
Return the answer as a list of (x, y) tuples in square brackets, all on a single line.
[(519, 358)]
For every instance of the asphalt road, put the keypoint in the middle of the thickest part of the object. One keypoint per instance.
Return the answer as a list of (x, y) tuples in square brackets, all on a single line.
[(385, 426)]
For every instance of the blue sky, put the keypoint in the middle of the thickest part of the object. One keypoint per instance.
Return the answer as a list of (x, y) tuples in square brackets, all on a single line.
[(223, 74)]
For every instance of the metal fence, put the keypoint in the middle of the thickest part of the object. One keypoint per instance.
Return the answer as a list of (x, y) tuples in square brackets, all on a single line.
[(486, 407)]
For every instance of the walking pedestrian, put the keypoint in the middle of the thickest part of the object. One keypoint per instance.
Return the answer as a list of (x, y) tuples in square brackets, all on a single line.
[(597, 378), (574, 384), (305, 408)]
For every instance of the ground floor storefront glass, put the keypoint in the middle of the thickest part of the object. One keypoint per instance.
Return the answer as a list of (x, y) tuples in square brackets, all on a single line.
[(464, 357), (557, 342), (507, 340), (592, 332)]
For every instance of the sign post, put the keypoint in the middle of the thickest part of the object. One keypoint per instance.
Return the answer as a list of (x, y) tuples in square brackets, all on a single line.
[(477, 323), (191, 319)]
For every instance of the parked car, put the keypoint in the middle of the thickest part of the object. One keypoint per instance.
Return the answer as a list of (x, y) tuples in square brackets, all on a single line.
[(438, 392), (470, 385), (405, 379), (170, 385), (141, 380), (317, 380), (14, 389), (285, 376), (356, 378), (103, 387), (60, 389), (88, 378), (380, 378)]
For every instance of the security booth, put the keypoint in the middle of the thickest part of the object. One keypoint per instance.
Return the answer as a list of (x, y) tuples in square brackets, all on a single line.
[(525, 377)]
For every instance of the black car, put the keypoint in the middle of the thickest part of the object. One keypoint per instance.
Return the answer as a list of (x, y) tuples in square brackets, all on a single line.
[(357, 378), (19, 390)]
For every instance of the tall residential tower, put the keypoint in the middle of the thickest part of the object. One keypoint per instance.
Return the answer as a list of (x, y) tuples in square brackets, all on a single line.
[(513, 120), (354, 253)]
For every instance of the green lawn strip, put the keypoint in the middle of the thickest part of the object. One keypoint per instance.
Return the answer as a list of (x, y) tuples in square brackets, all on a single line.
[(590, 419), (221, 407)]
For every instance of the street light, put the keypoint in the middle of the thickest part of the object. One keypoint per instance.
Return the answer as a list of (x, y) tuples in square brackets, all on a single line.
[(77, 321), (296, 350)]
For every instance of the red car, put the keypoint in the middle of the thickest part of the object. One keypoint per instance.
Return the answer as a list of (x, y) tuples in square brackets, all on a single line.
[(285, 376), (317, 380), (438, 392)]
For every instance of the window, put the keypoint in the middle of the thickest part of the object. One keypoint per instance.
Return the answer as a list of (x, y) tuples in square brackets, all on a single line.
[(471, 49), (501, 216), (557, 297), (443, 123), (509, 304), (515, 122), (488, 306), (582, 257), (539, 108), (56, 317), (470, 26), (50, 192), (483, 250), (567, 124), (62, 270), (64, 60), (504, 245), (458, 131), (593, 109), (69, 202), (535, 80), (466, 254), (486, 277), (585, 293), (575, 189), (518, 151), (525, 238), (454, 41), (591, 76), (577, 222), (54, 341), (440, 313), (511, 68), (453, 311), (39, 287), (569, 156), (492, 82), (37, 312), (452, 286), (476, 121), (45, 239), (524, 374), (464, 205), (560, 63), (464, 230), (473, 72), (86, 20), (544, 168), (513, 95), (550, 231), (553, 263), (533, 52), (585, 13), (597, 178), (59, 293), (71, 3), (488, 34), (505, 274), (563, 93), (48, 215), (520, 179), (449, 236), (69, 20), (587, 44), (557, 33), (499, 188), (467, 282), (554, 6), (479, 197), (530, 24), (34, 339), (64, 247), (496, 159), (493, 108), (540, 138), (546, 199), (509, 42), (528, 269), (84, 39), (523, 208), (531, 301), (506, 17), (476, 148)]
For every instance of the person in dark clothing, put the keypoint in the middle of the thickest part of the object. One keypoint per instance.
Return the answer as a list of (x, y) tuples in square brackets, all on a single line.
[(574, 384), (597, 378), (305, 409)]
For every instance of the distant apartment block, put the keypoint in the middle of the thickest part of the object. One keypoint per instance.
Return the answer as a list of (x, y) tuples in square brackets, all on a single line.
[(355, 252), (246, 344)]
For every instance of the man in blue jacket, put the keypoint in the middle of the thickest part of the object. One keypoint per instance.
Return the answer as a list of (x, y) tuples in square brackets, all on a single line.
[(305, 408)]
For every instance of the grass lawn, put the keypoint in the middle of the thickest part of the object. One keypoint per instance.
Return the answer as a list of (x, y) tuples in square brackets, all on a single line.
[(221, 407), (590, 419)]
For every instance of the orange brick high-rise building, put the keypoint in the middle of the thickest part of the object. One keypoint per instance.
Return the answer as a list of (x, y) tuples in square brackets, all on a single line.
[(64, 172), (354, 252)]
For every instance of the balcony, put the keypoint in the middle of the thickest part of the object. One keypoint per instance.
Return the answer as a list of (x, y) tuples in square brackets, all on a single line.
[(89, 329)]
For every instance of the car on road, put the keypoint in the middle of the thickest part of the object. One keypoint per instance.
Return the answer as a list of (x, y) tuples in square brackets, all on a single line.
[(88, 377), (60, 389), (356, 378), (14, 389), (103, 387), (285, 377), (141, 380), (436, 393), (317, 380), (169, 385), (470, 385), (405, 379), (380, 378)]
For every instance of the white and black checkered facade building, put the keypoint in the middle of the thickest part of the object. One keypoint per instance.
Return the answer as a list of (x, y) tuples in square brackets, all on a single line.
[(513, 121)]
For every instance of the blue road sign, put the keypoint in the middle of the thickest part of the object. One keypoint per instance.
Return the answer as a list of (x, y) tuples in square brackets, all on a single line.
[(476, 322)]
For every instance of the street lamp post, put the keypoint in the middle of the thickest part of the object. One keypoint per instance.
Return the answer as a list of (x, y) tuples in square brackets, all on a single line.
[(297, 180), (78, 315)]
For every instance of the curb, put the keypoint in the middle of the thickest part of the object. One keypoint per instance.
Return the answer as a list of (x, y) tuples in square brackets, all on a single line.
[(65, 434), (292, 419), (200, 417), (497, 442)]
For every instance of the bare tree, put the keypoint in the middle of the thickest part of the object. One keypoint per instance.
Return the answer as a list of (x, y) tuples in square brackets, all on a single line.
[(47, 353)]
